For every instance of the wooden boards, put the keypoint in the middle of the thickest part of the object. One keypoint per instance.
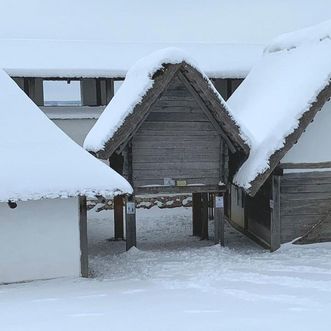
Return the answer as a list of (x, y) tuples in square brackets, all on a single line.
[(177, 141), (305, 203)]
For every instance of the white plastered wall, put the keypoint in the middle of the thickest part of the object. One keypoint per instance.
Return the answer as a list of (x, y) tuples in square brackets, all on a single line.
[(314, 145), (76, 129), (39, 240)]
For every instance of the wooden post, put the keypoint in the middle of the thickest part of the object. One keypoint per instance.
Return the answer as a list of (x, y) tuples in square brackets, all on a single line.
[(210, 206), (204, 216), (196, 213), (118, 218), (219, 219), (83, 236), (275, 214), (130, 222)]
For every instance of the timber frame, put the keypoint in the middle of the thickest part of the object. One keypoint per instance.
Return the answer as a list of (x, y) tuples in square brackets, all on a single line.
[(203, 92), (292, 138)]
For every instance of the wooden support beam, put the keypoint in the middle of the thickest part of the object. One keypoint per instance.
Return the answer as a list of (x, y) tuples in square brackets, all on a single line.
[(204, 216), (83, 236), (130, 222), (118, 218), (219, 219), (210, 206), (196, 214), (275, 214)]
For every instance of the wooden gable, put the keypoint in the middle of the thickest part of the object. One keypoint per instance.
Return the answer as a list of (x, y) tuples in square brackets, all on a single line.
[(180, 132), (178, 141)]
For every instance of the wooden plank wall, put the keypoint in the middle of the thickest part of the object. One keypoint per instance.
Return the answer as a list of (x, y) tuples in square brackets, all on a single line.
[(176, 141), (305, 201)]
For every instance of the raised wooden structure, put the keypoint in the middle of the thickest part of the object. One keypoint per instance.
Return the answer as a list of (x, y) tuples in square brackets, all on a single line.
[(178, 139)]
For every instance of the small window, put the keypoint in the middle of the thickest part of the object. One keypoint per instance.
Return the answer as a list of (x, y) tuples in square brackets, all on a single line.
[(62, 93)]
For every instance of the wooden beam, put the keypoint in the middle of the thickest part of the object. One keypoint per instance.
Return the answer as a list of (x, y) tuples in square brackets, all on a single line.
[(204, 216), (130, 222), (118, 218), (308, 165), (196, 214), (219, 219), (275, 215), (83, 236), (161, 189)]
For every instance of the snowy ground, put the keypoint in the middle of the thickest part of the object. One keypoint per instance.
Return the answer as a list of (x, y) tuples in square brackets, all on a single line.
[(176, 282)]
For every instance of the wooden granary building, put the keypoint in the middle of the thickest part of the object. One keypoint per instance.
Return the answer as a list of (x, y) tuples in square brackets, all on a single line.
[(172, 132)]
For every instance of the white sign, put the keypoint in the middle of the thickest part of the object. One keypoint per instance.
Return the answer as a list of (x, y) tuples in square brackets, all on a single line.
[(271, 204), (130, 208), (219, 201), (169, 182)]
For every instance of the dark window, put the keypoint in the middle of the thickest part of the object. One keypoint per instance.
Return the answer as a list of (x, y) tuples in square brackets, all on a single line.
[(226, 87)]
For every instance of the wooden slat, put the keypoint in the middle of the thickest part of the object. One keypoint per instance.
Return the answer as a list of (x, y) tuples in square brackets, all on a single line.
[(306, 188), (319, 165), (275, 227), (175, 126), (149, 156), (179, 189), (174, 173), (177, 166), (176, 117)]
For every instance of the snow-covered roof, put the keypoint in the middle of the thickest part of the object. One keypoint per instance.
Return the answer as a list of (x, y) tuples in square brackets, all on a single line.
[(84, 38), (285, 85), (39, 160), (139, 80), (60, 58)]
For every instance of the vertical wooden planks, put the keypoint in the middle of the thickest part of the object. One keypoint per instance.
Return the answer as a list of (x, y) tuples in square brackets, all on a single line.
[(83, 236), (275, 215)]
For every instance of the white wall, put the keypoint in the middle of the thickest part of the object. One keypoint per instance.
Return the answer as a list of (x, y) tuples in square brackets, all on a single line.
[(39, 240), (314, 144), (76, 129)]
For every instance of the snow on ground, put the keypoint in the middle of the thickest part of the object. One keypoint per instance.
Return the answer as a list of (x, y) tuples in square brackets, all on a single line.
[(176, 282)]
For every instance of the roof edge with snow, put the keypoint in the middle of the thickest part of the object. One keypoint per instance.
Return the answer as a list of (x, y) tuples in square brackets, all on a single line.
[(291, 139), (105, 137)]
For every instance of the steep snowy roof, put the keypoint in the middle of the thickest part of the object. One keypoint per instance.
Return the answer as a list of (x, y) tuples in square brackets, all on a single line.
[(55, 58), (280, 97), (39, 160), (138, 82)]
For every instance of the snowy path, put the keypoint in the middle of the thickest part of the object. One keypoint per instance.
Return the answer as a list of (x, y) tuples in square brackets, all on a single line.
[(176, 282)]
